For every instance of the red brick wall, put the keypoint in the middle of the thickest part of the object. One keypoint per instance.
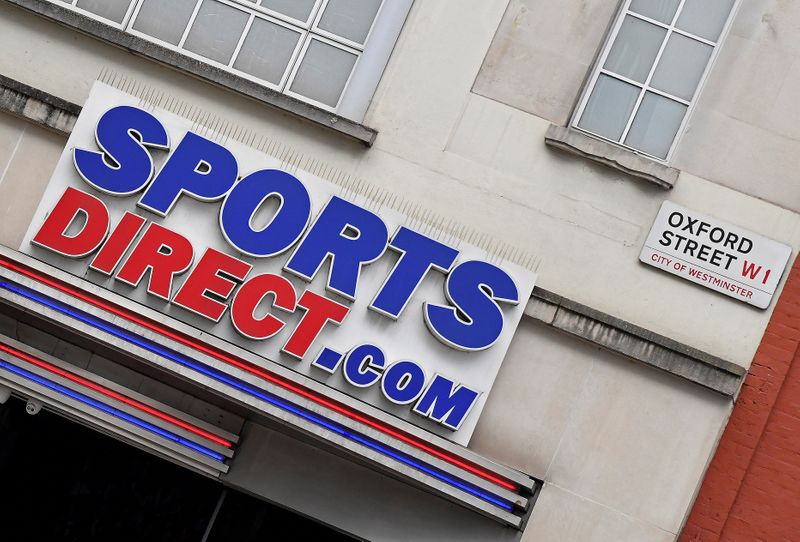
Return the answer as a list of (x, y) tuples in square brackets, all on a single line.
[(751, 491)]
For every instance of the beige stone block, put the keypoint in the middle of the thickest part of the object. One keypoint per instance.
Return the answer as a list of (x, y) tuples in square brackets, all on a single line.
[(426, 83), (479, 131), (541, 54), (540, 82), (785, 107), (772, 22), (745, 82), (532, 398), (741, 156), (560, 516), (638, 441), (11, 129), (25, 179)]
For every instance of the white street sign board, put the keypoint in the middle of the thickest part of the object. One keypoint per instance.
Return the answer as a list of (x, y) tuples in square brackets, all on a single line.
[(715, 254)]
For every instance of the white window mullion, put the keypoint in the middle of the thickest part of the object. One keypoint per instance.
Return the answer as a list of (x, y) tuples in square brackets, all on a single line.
[(137, 5), (652, 71), (189, 24), (646, 19), (129, 15), (646, 85), (632, 116), (694, 36), (241, 39)]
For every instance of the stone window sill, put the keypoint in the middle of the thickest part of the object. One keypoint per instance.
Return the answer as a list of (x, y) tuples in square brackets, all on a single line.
[(602, 152), (196, 68)]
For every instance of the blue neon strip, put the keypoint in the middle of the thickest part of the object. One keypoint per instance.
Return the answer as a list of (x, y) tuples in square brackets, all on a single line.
[(255, 392), (109, 409)]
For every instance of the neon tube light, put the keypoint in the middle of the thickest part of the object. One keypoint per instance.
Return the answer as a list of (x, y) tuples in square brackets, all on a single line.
[(255, 392), (109, 410), (222, 356), (114, 395)]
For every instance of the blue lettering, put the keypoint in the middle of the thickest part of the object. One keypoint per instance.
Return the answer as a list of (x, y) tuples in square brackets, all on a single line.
[(124, 166), (199, 167), (418, 254), (247, 196), (328, 360), (476, 320), (363, 365), (403, 382), (350, 235), (444, 404)]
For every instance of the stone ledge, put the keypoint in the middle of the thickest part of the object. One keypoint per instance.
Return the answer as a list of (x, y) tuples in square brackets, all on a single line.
[(636, 343), (602, 152), (32, 104), (173, 59)]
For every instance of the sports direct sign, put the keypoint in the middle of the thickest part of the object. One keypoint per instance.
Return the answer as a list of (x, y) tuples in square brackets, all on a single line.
[(283, 263), (715, 254)]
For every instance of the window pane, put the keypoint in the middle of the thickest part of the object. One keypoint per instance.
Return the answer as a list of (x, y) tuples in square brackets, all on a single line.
[(660, 10), (216, 31), (350, 19), (635, 49), (681, 66), (609, 107), (323, 73), (113, 10), (297, 9), (266, 50), (704, 18), (655, 125), (164, 20)]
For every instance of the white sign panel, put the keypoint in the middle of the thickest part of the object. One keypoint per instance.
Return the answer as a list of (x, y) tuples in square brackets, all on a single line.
[(294, 268), (731, 260)]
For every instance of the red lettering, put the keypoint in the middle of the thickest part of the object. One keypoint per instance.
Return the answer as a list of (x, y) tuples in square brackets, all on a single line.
[(53, 233), (208, 277), (164, 253), (319, 311), (118, 242), (750, 269), (251, 294)]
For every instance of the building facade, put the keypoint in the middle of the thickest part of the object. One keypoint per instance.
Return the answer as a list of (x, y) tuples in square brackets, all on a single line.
[(632, 162)]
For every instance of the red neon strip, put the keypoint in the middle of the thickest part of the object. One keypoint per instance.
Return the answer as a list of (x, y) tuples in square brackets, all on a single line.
[(222, 356), (114, 395)]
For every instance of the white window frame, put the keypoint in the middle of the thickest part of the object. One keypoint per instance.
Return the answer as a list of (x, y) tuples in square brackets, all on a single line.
[(371, 56), (645, 87)]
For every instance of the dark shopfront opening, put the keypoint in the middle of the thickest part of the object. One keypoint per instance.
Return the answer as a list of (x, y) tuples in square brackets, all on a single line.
[(61, 481)]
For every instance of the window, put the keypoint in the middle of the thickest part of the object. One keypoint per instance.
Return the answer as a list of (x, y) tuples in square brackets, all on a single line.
[(313, 50), (648, 75)]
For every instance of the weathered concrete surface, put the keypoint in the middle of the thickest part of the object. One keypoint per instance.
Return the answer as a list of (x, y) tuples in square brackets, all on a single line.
[(37, 106), (602, 152), (635, 342)]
